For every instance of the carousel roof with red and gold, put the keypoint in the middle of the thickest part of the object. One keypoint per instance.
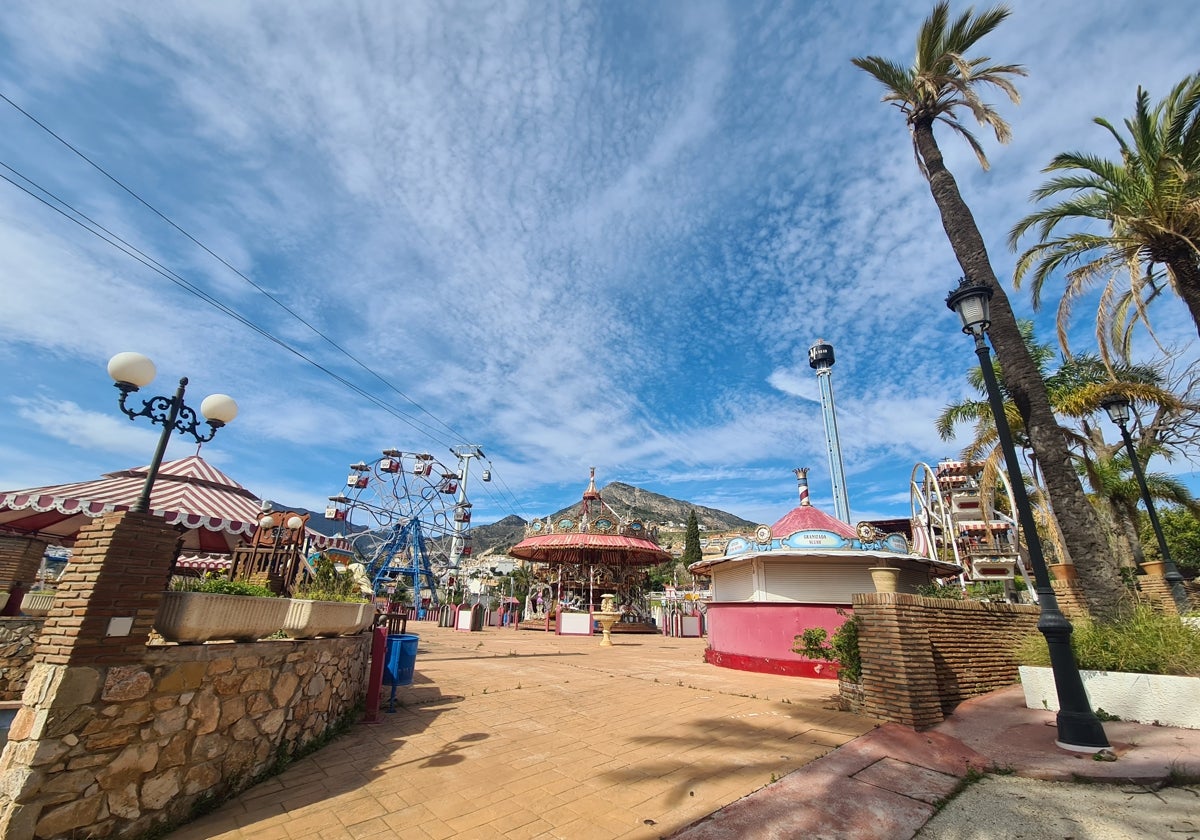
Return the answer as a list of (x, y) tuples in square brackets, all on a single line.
[(590, 532)]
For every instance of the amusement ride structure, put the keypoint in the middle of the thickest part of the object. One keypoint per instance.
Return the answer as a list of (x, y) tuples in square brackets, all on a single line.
[(582, 554), (408, 516), (955, 518), (820, 359)]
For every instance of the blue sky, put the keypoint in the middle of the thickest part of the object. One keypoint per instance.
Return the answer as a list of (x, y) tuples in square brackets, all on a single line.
[(575, 234)]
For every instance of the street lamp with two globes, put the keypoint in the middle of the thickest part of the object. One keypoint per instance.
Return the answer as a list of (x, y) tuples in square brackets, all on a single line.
[(132, 371)]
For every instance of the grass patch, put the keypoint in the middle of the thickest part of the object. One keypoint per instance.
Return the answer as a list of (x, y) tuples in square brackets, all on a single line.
[(1139, 641), (973, 776)]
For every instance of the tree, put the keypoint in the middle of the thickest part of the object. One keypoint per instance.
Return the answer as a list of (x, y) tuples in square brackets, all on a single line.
[(1114, 484), (1148, 203), (691, 541), (1181, 528), (1075, 389), (942, 80)]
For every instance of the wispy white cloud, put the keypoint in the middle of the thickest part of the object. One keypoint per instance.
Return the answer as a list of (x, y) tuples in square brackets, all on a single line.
[(577, 234)]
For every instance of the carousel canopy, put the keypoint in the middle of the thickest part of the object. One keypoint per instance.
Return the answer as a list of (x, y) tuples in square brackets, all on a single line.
[(609, 549), (214, 510), (589, 533)]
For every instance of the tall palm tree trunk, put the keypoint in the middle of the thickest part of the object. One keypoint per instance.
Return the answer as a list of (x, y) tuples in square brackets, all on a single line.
[(1186, 273), (1089, 551)]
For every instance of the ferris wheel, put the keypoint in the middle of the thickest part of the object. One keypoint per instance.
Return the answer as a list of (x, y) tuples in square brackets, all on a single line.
[(407, 516), (955, 519)]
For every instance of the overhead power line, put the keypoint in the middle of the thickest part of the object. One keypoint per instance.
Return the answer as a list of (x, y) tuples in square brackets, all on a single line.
[(96, 229), (91, 226), (387, 383)]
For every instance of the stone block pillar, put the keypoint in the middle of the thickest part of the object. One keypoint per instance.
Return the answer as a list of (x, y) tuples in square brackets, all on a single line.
[(98, 627)]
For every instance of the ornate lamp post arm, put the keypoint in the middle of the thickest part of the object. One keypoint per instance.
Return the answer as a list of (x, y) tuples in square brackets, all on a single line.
[(132, 371)]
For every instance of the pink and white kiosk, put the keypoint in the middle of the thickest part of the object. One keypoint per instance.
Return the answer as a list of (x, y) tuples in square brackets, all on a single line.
[(771, 585)]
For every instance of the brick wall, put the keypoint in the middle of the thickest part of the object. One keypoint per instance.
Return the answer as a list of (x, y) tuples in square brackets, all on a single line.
[(20, 559), (1071, 601), (120, 566), (115, 737), (923, 656), (1156, 589), (17, 638)]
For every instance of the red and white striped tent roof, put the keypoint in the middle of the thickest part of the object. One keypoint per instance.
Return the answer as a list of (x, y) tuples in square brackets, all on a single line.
[(613, 549), (214, 510)]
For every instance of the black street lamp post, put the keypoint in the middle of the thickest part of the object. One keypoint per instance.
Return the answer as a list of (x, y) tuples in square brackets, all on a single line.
[(1117, 407), (1078, 727), (132, 371)]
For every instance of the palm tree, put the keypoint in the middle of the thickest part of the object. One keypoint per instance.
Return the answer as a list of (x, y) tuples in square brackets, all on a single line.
[(1112, 480), (1148, 204), (1075, 390), (942, 80)]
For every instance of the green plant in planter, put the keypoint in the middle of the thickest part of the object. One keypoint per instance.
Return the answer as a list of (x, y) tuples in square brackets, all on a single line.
[(328, 584), (216, 585), (951, 591), (842, 647), (1139, 641)]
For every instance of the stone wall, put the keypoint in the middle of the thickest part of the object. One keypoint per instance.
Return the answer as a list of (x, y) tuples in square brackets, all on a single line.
[(124, 748), (923, 656), (17, 637)]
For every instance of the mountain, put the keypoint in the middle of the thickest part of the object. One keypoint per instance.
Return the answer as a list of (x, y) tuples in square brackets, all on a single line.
[(628, 502), (669, 514), (498, 537)]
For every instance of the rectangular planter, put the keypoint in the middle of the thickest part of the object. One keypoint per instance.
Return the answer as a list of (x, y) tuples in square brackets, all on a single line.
[(37, 603), (311, 619), (195, 617), (1145, 698)]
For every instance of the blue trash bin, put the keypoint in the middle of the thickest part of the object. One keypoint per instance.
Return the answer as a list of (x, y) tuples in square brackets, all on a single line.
[(400, 659)]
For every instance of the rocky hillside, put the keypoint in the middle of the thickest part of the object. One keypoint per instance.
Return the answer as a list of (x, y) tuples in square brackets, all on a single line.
[(629, 502), (635, 503), (498, 537)]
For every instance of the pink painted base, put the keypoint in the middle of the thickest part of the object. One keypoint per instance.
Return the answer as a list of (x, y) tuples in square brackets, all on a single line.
[(759, 636), (763, 665)]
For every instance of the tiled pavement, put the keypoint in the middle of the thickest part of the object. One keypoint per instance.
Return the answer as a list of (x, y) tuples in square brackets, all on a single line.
[(522, 734)]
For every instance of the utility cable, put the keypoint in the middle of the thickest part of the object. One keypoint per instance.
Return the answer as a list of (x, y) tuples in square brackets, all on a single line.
[(225, 263), (91, 226), (150, 262)]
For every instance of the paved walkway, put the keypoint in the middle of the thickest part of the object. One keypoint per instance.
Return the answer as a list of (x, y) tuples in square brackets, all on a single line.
[(888, 784), (520, 734), (510, 734)]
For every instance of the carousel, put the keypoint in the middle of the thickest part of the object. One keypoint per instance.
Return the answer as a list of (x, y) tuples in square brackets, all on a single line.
[(580, 556)]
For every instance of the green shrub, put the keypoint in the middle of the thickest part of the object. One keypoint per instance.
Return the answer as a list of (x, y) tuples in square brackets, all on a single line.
[(218, 585), (1140, 641), (951, 591), (328, 584), (842, 647)]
